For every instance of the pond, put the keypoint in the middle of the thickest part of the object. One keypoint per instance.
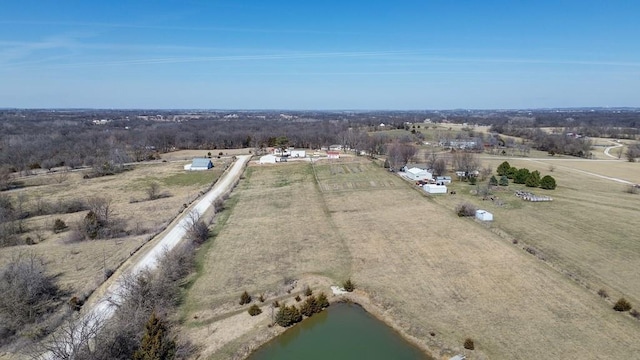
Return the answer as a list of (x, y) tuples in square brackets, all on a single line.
[(343, 331)]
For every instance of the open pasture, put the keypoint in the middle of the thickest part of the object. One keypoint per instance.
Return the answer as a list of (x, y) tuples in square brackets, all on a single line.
[(424, 268)]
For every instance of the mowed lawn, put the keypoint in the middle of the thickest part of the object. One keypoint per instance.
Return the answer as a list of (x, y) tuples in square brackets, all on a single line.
[(427, 269)]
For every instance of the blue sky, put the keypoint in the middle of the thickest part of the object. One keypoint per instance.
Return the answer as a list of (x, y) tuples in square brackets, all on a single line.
[(428, 54)]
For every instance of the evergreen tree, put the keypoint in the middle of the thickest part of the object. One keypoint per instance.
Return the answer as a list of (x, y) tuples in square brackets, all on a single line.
[(548, 182), (493, 181), (511, 173), (533, 180), (521, 176), (155, 344), (503, 168), (504, 180), (323, 302), (348, 285)]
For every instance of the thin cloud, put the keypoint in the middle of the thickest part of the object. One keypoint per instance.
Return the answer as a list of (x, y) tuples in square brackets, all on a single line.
[(285, 56), (172, 27)]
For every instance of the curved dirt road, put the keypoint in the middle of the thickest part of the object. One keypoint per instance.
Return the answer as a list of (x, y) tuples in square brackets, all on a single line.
[(103, 308), (608, 148)]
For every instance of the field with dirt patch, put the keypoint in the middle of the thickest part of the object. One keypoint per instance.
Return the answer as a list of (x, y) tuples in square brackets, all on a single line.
[(424, 269)]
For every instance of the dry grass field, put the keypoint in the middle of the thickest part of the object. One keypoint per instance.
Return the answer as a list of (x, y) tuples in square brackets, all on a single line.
[(80, 266), (424, 269), (589, 231)]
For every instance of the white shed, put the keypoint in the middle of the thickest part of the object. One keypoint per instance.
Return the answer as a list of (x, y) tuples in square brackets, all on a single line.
[(268, 159), (417, 174), (443, 180), (434, 189), (298, 153), (484, 215)]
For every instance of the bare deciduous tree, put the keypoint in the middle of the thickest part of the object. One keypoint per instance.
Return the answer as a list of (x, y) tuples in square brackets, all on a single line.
[(72, 340), (466, 162), (197, 229), (27, 292), (153, 191)]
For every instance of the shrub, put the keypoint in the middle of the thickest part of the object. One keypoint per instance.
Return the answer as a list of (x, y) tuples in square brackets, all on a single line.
[(254, 310), (622, 305), (493, 181), (298, 299), (288, 315), (323, 302), (308, 291), (548, 182), (59, 226), (466, 209), (261, 298), (603, 293), (245, 298), (472, 180), (468, 344), (635, 314), (348, 285)]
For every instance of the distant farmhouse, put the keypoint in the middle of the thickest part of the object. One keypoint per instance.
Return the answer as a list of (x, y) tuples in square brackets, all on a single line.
[(199, 164), (462, 144), (291, 152)]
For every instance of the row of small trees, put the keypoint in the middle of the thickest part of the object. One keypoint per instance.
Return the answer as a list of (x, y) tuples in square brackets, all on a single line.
[(522, 176), (289, 315)]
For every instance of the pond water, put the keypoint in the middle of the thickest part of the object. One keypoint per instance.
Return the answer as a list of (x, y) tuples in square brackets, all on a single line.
[(343, 331)]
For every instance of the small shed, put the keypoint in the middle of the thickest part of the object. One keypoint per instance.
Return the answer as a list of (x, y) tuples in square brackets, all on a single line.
[(333, 154), (417, 174), (434, 189), (298, 153), (443, 180), (269, 159), (199, 164), (484, 215)]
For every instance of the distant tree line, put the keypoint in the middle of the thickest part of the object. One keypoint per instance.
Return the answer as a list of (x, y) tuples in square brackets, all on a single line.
[(106, 139)]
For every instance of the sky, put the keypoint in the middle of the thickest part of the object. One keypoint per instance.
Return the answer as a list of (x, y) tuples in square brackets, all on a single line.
[(319, 55)]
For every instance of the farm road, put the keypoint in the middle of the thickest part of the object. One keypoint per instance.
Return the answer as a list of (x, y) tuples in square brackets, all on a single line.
[(103, 308), (608, 148)]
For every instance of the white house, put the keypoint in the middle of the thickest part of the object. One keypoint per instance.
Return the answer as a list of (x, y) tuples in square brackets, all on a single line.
[(298, 153), (417, 174), (281, 152), (484, 215), (269, 159), (333, 154), (199, 164), (434, 189)]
